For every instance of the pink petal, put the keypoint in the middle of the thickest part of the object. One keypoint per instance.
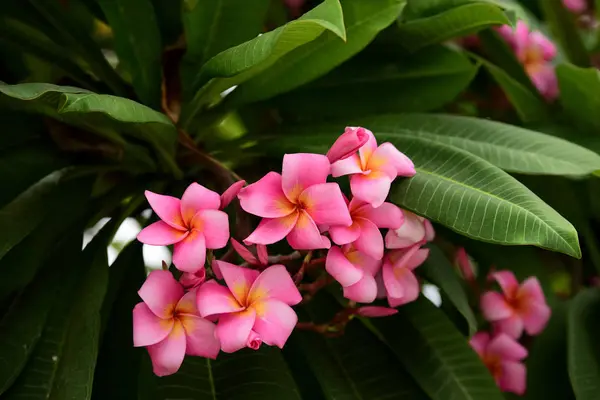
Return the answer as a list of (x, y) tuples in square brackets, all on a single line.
[(188, 304), (344, 234), (348, 166), (386, 215), (167, 208), (306, 234), (234, 329), (363, 291), (376, 311), (512, 326), (372, 188), (347, 144), (576, 6), (167, 356), (275, 321), (409, 258), (513, 378), (302, 170), (160, 234), (369, 265), (231, 193), (479, 343), (464, 264), (401, 284), (494, 306), (388, 154), (195, 198), (189, 254), (161, 292), (548, 48), (254, 341), (276, 283), (412, 231), (214, 225), (265, 198), (262, 253), (370, 241), (193, 280), (270, 231), (342, 270), (429, 231), (243, 252), (417, 259), (507, 281), (544, 79), (239, 280), (326, 205), (214, 299), (531, 290), (367, 150), (506, 348), (521, 40), (149, 329), (200, 336), (535, 318)]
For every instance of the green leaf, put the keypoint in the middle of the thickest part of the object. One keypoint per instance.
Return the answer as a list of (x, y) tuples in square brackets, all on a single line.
[(425, 81), (138, 45), (578, 95), (214, 26), (105, 115), (238, 64), (439, 271), (168, 14), (437, 356), (584, 351), (460, 21)]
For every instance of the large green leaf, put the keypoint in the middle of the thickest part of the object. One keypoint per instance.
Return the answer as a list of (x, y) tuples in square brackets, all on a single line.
[(138, 45), (105, 115), (436, 354), (439, 271), (584, 350), (240, 63), (460, 21), (578, 95), (425, 81)]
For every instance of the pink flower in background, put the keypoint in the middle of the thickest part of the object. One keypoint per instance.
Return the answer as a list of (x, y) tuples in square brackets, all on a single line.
[(347, 144), (414, 230), (518, 307), (400, 283), (535, 51), (168, 323), (373, 170), (231, 193), (293, 203), (576, 6), (376, 311), (355, 271), (462, 260), (364, 232), (192, 224), (252, 307), (503, 356)]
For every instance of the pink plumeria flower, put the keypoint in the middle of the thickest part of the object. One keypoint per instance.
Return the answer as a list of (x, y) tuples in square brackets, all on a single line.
[(400, 283), (355, 271), (231, 193), (364, 232), (191, 280), (252, 306), (293, 203), (373, 170), (192, 224), (518, 308), (465, 265), (503, 357), (376, 311), (347, 144), (414, 230), (168, 323), (575, 6)]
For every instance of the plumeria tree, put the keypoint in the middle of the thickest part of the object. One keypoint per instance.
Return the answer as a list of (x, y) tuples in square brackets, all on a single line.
[(360, 199)]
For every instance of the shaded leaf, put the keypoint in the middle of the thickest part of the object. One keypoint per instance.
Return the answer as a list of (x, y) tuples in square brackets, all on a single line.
[(578, 95)]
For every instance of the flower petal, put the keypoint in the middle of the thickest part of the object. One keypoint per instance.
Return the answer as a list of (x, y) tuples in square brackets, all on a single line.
[(548, 49), (513, 378), (167, 208), (494, 306), (254, 341), (302, 170), (372, 188), (535, 317), (388, 155), (193, 280), (215, 299), (306, 234), (275, 282), (160, 234), (200, 336), (367, 150), (347, 144), (265, 198), (370, 241), (344, 234), (410, 287), (368, 264), (149, 329), (188, 304), (195, 198), (506, 348), (348, 166), (342, 270), (376, 311), (512, 326), (531, 290), (270, 231), (244, 252), (412, 231), (363, 291), (263, 254), (167, 356), (507, 281), (479, 343), (275, 321), (326, 205), (189, 254), (386, 215), (239, 280), (214, 225), (231, 193), (161, 292), (234, 329)]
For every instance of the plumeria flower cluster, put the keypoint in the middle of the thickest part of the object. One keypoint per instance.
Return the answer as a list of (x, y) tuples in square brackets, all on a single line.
[(516, 309), (227, 307)]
